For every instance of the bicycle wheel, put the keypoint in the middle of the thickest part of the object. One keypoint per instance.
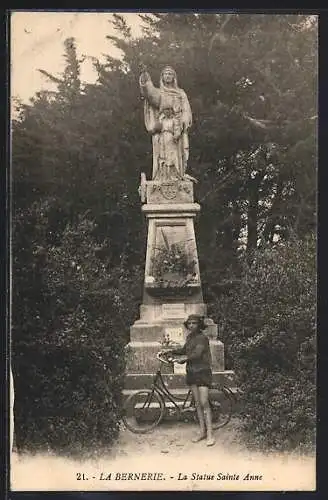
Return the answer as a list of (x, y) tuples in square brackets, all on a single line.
[(142, 411), (221, 405)]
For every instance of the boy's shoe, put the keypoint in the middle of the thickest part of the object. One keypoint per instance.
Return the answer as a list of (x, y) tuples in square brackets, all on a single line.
[(210, 441), (198, 438)]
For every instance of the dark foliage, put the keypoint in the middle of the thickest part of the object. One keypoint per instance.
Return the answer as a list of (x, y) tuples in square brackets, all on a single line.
[(79, 236), (270, 331)]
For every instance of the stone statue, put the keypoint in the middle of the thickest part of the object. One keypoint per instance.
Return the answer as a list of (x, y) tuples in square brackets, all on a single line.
[(167, 118)]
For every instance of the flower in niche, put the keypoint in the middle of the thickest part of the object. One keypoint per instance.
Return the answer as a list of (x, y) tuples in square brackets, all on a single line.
[(173, 266)]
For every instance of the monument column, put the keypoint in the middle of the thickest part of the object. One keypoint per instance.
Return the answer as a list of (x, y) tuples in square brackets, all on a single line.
[(172, 281)]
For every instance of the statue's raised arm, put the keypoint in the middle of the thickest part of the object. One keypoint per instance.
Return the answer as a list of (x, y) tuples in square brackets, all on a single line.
[(167, 118), (147, 89)]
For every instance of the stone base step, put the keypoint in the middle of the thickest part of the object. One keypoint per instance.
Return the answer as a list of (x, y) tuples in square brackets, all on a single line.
[(138, 381), (176, 392)]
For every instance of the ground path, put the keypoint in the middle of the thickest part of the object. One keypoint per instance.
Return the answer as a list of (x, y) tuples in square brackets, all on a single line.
[(171, 462)]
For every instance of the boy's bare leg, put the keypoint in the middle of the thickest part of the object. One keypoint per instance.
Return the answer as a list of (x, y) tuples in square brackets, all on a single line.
[(203, 395), (200, 414)]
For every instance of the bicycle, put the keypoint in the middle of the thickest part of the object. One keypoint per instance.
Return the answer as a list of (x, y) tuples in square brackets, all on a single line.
[(145, 409)]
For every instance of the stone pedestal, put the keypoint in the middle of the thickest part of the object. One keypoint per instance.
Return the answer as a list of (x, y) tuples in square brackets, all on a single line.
[(168, 300)]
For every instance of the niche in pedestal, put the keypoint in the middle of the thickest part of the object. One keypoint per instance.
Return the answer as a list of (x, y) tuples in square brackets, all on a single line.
[(171, 262)]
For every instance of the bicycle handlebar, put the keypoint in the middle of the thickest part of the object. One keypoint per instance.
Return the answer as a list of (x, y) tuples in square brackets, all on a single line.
[(163, 360)]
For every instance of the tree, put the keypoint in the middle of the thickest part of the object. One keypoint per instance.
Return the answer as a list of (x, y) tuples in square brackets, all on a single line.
[(71, 315), (269, 329), (78, 153), (69, 198), (253, 116)]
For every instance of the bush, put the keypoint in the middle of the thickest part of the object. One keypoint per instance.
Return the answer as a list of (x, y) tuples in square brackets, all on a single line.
[(272, 344), (71, 315), (67, 398)]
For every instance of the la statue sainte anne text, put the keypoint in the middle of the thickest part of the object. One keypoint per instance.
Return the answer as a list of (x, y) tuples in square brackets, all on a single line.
[(160, 476)]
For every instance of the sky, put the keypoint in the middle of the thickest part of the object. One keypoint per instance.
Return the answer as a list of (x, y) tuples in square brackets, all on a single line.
[(37, 41)]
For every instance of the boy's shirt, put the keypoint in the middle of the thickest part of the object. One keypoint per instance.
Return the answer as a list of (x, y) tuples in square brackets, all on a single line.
[(197, 351)]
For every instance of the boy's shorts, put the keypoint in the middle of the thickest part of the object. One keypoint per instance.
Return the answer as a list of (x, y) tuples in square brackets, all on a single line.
[(202, 378)]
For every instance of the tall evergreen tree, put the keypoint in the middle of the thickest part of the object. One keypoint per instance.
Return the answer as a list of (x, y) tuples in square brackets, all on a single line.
[(78, 153)]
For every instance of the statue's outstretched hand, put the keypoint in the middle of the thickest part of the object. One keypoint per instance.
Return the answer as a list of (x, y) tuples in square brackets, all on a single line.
[(144, 75)]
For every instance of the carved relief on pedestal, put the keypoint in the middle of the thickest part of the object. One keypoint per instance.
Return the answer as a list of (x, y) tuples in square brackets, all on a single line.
[(154, 192)]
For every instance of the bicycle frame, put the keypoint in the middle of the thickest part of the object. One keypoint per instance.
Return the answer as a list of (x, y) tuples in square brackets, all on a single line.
[(158, 396), (158, 385)]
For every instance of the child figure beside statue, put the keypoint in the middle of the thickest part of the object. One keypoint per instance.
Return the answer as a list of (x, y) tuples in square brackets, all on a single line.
[(168, 118)]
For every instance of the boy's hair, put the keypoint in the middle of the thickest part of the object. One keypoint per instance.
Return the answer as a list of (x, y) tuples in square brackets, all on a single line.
[(200, 319)]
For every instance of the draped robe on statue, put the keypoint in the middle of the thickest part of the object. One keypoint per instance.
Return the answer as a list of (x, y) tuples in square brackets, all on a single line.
[(167, 117)]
